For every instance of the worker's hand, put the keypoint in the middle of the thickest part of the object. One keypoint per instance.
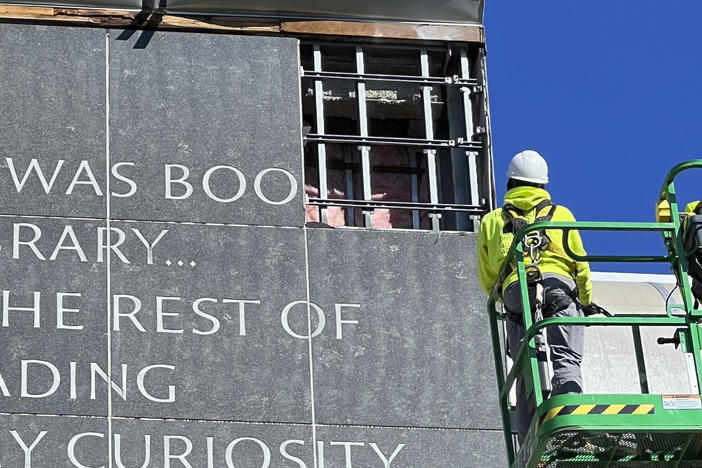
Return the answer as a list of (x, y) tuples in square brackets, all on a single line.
[(594, 309)]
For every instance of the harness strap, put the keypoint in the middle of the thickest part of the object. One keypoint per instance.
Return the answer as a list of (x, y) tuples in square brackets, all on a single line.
[(548, 310), (544, 204), (516, 221), (562, 303), (516, 217)]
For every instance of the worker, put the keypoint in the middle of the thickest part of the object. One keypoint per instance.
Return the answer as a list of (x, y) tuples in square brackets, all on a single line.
[(564, 280)]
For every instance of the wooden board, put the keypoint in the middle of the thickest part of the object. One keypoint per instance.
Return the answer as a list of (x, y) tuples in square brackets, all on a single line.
[(163, 20)]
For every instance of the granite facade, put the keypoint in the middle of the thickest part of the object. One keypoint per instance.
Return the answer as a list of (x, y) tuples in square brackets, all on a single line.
[(151, 234)]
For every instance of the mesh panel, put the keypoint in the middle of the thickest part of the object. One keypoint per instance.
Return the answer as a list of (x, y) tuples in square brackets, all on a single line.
[(626, 449)]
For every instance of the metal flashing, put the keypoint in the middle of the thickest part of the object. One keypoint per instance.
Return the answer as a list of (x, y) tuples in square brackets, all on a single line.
[(632, 277), (437, 11)]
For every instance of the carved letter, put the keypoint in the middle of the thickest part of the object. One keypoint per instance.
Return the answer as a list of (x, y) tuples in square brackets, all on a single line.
[(347, 450), (24, 392), (16, 240), (121, 391), (116, 301), (33, 165), (167, 457), (320, 324), (214, 320), (259, 192), (71, 449), (102, 243), (287, 456), (149, 245), (182, 181), (140, 384), (264, 448), (160, 314), (118, 450), (84, 166), (242, 312), (208, 190), (68, 232), (340, 321), (60, 310), (28, 450), (386, 461), (118, 176), (35, 308)]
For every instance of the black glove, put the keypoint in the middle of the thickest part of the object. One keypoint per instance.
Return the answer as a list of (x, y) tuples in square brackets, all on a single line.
[(594, 309)]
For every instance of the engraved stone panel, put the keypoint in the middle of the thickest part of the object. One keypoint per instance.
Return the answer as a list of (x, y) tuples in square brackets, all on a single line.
[(206, 127), (53, 441), (192, 300), (54, 317), (420, 354), (52, 120), (207, 308), (348, 446), (212, 444)]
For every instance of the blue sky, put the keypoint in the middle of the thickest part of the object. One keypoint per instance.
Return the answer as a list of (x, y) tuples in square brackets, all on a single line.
[(610, 93)]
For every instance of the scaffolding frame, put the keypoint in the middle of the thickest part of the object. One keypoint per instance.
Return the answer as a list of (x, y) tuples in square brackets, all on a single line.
[(462, 151)]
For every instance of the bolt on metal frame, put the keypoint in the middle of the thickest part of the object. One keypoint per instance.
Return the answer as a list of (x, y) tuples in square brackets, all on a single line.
[(650, 422), (465, 178)]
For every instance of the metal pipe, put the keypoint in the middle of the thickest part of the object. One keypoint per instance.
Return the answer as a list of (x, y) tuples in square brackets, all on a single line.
[(470, 134), (377, 46), (640, 362), (532, 379), (371, 204), (374, 140), (429, 132), (499, 371), (432, 80), (363, 130), (321, 147), (348, 176), (414, 188)]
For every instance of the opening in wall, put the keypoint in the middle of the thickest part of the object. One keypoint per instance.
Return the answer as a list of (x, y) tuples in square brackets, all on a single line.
[(395, 136)]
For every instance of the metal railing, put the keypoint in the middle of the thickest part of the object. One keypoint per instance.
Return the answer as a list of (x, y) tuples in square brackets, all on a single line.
[(525, 361)]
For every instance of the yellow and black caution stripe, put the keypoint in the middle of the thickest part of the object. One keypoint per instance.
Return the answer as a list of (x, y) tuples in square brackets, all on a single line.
[(593, 409)]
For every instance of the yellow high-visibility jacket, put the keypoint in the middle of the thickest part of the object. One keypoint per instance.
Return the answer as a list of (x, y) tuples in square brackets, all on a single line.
[(690, 207), (493, 244)]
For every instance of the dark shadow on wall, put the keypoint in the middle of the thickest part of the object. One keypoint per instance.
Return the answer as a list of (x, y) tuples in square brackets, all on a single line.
[(146, 20)]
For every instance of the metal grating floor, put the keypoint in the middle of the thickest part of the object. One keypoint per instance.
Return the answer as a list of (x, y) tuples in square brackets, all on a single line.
[(591, 449)]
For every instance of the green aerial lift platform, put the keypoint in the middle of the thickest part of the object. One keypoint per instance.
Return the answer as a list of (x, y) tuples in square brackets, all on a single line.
[(601, 430)]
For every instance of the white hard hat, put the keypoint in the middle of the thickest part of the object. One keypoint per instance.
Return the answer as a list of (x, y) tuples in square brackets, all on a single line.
[(528, 166)]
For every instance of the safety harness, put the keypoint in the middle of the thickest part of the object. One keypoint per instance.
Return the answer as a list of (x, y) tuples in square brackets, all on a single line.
[(535, 242)]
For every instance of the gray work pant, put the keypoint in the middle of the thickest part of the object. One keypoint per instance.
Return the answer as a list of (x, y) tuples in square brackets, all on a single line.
[(565, 344)]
